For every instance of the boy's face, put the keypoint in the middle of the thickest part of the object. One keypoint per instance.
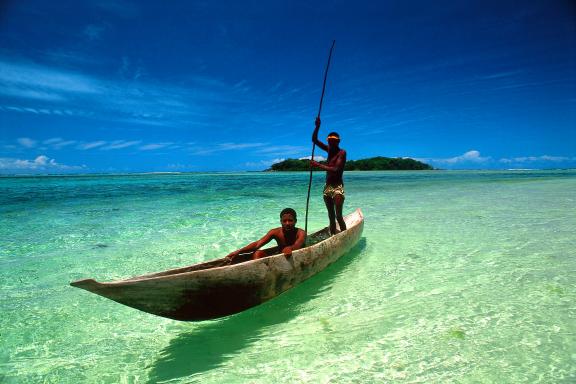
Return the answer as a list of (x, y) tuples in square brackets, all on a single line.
[(288, 222)]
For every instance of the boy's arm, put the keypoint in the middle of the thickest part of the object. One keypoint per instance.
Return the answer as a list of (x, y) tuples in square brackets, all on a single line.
[(315, 136), (300, 239), (253, 246)]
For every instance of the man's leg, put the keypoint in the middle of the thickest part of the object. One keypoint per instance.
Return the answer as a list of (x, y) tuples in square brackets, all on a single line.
[(331, 216), (338, 204)]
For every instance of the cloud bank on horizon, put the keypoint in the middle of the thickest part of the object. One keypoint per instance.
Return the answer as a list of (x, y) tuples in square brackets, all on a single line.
[(473, 160), (122, 86)]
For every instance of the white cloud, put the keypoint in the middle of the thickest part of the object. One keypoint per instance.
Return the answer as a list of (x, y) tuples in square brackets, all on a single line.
[(38, 78), (46, 111), (500, 75), (180, 167), (151, 147), (40, 163), (534, 159), (34, 81), (130, 71), (26, 142), (316, 158), (225, 147), (263, 163), (119, 144), (30, 94), (283, 150), (234, 146), (64, 92), (258, 149), (471, 157), (52, 141), (474, 159), (58, 143), (93, 144)]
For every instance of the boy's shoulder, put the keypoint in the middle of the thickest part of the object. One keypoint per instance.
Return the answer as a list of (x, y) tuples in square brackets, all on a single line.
[(276, 231)]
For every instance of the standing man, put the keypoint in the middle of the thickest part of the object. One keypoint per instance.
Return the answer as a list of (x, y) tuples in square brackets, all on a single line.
[(334, 188)]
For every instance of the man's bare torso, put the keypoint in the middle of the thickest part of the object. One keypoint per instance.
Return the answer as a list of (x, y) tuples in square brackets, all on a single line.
[(335, 178)]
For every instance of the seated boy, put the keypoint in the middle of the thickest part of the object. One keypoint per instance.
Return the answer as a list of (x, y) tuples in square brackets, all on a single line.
[(288, 238)]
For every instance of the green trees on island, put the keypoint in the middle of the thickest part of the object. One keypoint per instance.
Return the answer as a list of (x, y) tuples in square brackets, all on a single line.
[(372, 164), (290, 165), (386, 163)]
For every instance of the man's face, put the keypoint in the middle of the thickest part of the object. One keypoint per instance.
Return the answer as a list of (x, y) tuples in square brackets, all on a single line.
[(333, 142), (288, 222)]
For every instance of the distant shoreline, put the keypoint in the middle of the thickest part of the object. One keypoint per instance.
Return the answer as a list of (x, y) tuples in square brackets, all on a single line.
[(134, 174), (370, 164)]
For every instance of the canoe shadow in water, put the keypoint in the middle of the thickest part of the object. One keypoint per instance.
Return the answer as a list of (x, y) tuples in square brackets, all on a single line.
[(211, 343)]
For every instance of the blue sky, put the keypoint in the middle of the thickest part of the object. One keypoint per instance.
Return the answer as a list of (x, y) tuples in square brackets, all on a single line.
[(148, 86)]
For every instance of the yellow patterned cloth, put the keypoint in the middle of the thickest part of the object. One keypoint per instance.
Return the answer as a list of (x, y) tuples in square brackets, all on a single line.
[(331, 191)]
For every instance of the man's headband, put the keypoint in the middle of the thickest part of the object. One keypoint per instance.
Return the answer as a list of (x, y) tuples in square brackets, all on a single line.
[(333, 137)]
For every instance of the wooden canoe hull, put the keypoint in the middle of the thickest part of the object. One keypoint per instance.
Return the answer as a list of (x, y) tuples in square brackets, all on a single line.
[(212, 290)]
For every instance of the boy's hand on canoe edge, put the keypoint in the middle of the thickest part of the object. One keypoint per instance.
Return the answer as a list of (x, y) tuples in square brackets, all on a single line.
[(230, 257), (287, 251)]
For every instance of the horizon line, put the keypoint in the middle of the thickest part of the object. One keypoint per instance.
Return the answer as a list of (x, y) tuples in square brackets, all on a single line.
[(162, 173)]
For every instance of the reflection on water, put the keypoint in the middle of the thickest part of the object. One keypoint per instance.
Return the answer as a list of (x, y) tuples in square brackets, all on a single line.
[(208, 345)]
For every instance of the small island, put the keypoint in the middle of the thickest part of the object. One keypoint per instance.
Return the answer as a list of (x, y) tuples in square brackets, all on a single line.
[(372, 164)]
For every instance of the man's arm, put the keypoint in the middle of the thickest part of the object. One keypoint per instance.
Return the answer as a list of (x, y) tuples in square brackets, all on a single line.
[(338, 165), (299, 243), (253, 246), (315, 136)]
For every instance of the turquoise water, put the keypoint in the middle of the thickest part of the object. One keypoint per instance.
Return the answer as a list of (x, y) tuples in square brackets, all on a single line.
[(461, 277)]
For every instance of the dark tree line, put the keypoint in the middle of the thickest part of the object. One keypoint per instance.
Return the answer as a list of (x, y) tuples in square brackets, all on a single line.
[(372, 164)]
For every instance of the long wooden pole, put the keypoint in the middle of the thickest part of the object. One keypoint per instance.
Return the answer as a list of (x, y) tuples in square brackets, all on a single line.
[(313, 143)]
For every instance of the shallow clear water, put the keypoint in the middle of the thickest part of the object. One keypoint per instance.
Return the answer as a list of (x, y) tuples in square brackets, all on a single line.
[(461, 277)]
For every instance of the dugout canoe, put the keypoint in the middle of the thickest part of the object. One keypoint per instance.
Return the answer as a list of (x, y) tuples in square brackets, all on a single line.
[(216, 289)]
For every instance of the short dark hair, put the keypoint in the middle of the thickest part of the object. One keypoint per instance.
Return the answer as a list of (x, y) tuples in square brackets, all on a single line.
[(289, 211)]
